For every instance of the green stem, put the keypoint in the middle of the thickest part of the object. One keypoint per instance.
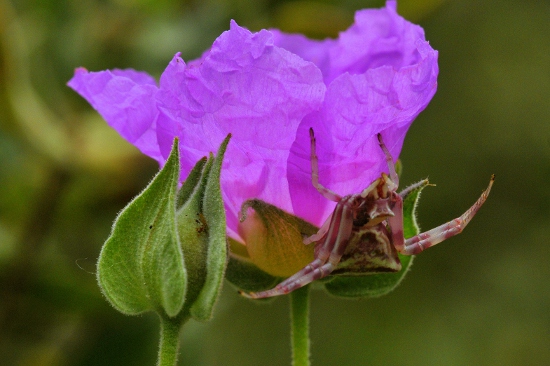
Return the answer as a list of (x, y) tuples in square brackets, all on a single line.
[(299, 319), (169, 341)]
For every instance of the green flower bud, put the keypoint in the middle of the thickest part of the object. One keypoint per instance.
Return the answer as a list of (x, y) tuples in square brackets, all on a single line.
[(167, 251)]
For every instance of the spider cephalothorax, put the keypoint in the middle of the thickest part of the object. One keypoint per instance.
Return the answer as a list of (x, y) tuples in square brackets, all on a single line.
[(365, 231)]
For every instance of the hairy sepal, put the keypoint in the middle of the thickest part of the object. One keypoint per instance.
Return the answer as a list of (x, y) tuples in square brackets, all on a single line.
[(141, 264), (211, 261), (244, 274)]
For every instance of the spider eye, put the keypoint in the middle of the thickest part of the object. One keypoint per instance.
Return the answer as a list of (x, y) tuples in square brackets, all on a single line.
[(360, 218)]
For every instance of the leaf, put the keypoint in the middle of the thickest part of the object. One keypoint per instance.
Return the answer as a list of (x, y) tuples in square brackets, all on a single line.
[(376, 285), (141, 265)]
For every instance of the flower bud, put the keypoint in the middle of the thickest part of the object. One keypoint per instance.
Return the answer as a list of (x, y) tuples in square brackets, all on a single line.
[(167, 252), (275, 239)]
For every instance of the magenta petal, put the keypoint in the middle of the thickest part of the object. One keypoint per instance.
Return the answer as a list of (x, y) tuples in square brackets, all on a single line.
[(247, 87), (125, 99), (267, 89), (379, 37), (380, 87), (315, 51)]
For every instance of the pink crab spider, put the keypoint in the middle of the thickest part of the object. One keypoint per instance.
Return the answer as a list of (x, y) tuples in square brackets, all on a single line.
[(371, 223)]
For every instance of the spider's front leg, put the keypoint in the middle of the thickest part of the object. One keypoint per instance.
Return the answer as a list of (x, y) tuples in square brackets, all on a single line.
[(327, 193), (428, 239)]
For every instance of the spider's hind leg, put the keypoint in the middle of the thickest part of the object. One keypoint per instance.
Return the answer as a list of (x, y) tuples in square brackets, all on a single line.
[(313, 271), (327, 255)]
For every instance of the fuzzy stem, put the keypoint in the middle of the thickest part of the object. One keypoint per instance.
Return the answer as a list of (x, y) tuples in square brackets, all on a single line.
[(169, 341), (299, 319)]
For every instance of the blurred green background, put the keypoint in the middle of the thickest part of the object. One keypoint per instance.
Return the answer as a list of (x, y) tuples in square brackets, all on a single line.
[(482, 298)]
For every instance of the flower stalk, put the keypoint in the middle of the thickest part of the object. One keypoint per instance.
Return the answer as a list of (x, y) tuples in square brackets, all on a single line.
[(299, 318), (169, 341)]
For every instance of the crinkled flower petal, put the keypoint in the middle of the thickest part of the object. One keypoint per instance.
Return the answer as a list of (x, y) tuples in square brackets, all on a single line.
[(126, 100), (267, 89), (381, 74), (247, 87), (243, 85)]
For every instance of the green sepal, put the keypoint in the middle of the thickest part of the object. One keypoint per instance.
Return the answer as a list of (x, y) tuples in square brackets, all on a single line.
[(213, 225), (188, 187), (375, 285), (193, 232), (141, 265), (411, 196), (245, 275), (398, 167)]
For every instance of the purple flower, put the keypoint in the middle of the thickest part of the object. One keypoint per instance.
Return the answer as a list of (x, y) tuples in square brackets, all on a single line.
[(267, 89)]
